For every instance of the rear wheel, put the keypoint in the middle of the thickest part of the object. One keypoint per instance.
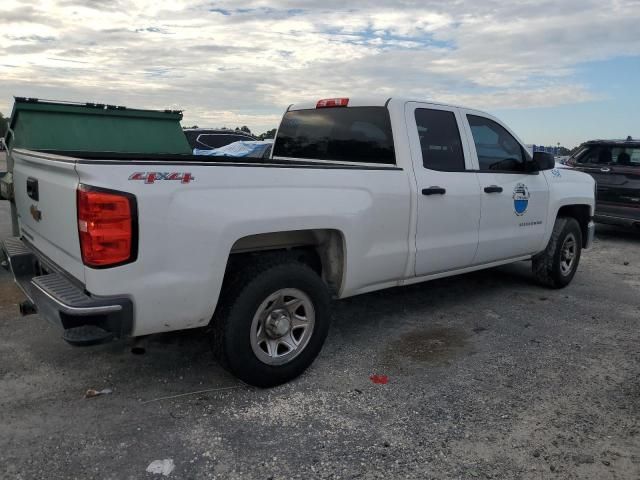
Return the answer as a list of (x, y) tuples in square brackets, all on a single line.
[(556, 266), (271, 322)]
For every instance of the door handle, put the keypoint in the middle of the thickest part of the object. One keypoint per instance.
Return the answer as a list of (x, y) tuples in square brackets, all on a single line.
[(605, 169), (493, 189), (434, 191)]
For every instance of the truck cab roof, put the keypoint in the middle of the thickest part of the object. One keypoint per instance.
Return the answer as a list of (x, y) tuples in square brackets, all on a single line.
[(378, 101)]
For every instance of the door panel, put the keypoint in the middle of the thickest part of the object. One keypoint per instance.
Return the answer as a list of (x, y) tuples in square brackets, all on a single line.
[(620, 197), (596, 161), (513, 221), (514, 203), (448, 202)]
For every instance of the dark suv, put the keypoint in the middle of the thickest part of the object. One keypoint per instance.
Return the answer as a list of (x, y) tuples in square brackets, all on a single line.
[(615, 166)]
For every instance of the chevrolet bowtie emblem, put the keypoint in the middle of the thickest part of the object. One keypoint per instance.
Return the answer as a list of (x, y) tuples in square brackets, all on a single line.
[(35, 213)]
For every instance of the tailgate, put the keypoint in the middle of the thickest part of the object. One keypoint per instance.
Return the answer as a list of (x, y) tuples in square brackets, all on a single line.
[(45, 196), (44, 184)]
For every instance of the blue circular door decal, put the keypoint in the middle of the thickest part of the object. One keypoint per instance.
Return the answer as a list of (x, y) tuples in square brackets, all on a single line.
[(521, 199)]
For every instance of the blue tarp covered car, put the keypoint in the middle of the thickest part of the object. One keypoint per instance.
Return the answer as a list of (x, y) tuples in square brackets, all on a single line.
[(251, 149)]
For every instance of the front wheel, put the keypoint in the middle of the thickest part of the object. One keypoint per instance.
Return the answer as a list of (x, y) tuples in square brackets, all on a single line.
[(272, 322), (557, 264)]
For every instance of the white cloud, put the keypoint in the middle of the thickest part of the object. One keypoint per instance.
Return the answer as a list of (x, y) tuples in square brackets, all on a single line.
[(227, 63)]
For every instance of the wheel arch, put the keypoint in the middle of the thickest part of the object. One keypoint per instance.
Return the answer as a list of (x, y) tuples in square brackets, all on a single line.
[(324, 250), (580, 212)]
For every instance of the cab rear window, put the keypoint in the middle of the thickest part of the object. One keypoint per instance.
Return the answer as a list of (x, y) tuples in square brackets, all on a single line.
[(353, 134)]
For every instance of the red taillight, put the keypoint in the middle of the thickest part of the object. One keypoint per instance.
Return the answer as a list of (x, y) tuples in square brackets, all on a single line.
[(106, 223), (332, 102)]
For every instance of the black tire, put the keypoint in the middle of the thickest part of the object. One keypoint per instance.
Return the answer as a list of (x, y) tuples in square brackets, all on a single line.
[(548, 266), (243, 293)]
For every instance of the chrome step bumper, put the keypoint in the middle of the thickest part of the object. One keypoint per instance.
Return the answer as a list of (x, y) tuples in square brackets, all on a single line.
[(60, 300)]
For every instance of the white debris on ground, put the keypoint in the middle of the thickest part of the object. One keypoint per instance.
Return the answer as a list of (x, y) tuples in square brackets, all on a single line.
[(161, 467)]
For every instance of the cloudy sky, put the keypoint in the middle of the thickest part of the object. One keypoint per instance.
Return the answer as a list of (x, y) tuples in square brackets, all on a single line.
[(556, 71)]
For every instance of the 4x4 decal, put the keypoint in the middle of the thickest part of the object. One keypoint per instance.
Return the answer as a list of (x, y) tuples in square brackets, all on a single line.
[(152, 177)]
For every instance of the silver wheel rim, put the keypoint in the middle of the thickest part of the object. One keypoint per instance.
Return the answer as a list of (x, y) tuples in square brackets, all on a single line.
[(568, 254), (282, 326)]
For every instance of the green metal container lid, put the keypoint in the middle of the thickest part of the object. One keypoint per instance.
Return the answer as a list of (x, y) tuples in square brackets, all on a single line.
[(89, 127)]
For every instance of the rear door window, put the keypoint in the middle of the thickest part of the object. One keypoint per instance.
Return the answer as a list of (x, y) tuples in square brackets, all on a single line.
[(351, 134), (440, 140), (626, 156)]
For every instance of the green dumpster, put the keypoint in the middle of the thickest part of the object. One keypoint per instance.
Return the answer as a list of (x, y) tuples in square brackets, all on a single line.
[(90, 127)]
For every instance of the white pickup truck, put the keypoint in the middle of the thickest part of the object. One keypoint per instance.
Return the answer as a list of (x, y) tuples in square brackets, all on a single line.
[(357, 196)]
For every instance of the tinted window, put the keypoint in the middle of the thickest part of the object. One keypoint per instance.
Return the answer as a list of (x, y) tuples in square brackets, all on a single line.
[(626, 156), (598, 154), (352, 134), (204, 139), (496, 148), (577, 155), (191, 138), (439, 140), (610, 155)]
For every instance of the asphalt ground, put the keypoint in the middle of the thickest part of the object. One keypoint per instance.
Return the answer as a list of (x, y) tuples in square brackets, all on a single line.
[(489, 376)]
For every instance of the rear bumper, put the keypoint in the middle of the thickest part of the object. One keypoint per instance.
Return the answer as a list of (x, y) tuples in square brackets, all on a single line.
[(60, 300)]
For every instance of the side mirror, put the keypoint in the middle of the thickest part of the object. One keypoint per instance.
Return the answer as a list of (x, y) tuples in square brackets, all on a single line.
[(542, 161)]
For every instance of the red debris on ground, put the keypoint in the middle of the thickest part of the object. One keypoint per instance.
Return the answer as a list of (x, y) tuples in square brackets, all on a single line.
[(379, 379)]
